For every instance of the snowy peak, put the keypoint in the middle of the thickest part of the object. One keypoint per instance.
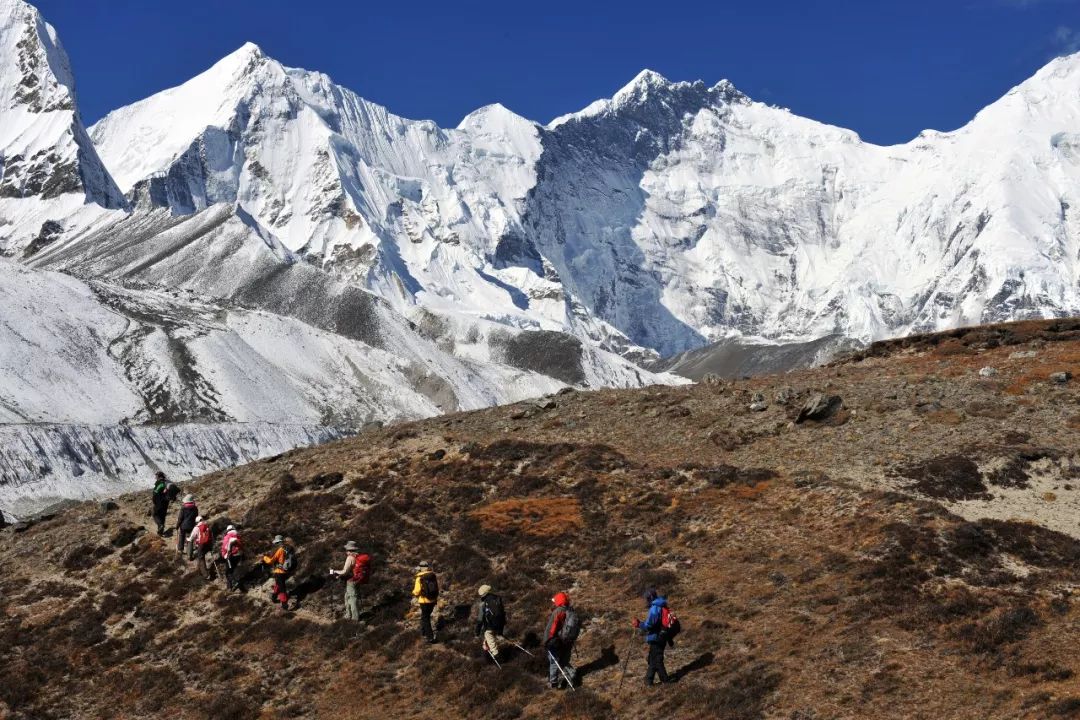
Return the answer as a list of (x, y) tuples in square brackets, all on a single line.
[(650, 93), (45, 152)]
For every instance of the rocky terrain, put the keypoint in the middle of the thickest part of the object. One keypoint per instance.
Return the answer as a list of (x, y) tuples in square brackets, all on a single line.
[(894, 535)]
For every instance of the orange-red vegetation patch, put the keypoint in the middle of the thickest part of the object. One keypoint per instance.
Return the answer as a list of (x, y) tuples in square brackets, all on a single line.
[(751, 492), (539, 517)]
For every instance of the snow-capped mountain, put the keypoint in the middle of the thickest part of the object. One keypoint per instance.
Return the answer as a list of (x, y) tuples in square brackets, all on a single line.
[(49, 169), (668, 217)]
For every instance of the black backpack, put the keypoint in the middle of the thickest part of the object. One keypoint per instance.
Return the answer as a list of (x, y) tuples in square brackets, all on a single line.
[(494, 613), (172, 491), (429, 586), (571, 627)]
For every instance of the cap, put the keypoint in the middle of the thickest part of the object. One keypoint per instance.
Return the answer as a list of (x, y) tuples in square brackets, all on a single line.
[(198, 519), (278, 539), (424, 564), (351, 546), (189, 498), (230, 528), (484, 590)]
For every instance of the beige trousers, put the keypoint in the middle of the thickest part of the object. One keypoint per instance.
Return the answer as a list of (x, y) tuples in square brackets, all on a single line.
[(491, 642)]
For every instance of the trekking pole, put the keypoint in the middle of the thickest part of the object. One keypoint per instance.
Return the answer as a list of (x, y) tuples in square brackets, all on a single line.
[(495, 659), (518, 646), (563, 672), (626, 662)]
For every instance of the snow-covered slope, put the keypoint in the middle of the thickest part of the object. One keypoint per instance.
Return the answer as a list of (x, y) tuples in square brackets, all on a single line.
[(90, 362), (50, 174)]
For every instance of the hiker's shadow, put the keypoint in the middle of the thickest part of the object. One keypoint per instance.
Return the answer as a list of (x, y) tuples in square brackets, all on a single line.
[(307, 586), (607, 659), (699, 663)]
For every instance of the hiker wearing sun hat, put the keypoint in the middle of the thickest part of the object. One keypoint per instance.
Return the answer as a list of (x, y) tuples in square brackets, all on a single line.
[(490, 621), (282, 563), (356, 571), (426, 592)]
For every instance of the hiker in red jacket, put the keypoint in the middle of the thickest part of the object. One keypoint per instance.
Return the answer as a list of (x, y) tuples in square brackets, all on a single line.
[(559, 638), (233, 555)]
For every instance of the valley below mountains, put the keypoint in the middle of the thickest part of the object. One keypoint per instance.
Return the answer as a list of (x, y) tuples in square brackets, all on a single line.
[(893, 535)]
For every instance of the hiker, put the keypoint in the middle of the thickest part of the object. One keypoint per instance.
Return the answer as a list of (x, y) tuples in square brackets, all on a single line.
[(232, 553), (282, 563), (426, 592), (356, 570), (200, 539), (660, 628), (185, 522), (490, 621), (562, 632), (160, 506)]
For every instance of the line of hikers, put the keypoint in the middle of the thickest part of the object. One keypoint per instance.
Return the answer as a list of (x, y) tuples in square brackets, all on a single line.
[(658, 629)]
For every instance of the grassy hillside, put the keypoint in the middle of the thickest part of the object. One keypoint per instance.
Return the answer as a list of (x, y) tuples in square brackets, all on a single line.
[(909, 553)]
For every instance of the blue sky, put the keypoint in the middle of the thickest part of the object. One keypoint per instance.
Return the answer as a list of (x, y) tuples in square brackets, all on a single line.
[(884, 69)]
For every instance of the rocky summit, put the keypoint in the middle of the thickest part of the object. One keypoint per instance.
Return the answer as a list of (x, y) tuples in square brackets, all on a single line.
[(893, 535)]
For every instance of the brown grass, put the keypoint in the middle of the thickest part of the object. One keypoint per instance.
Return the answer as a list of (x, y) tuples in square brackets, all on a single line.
[(537, 517)]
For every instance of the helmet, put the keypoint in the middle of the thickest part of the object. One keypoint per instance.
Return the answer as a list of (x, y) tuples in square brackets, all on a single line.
[(230, 528), (561, 600), (198, 519), (189, 498), (278, 539)]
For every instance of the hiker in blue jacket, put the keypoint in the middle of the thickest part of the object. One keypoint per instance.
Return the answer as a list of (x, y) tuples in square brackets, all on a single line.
[(658, 630)]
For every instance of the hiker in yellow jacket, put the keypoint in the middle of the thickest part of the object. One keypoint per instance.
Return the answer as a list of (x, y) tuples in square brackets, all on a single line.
[(426, 592)]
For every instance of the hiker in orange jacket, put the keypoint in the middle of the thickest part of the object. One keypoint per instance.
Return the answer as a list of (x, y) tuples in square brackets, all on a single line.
[(282, 562)]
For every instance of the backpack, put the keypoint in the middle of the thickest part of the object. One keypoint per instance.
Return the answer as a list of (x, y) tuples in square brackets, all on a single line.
[(204, 534), (669, 626), (494, 613), (172, 491), (429, 586), (571, 627), (361, 569), (289, 563)]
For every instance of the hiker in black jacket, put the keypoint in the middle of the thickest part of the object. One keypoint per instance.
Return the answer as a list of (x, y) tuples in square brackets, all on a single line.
[(185, 522), (490, 621), (160, 501)]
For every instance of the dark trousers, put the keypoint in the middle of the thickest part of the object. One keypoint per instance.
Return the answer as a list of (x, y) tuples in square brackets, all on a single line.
[(183, 533), (425, 620), (232, 571), (159, 520), (656, 663)]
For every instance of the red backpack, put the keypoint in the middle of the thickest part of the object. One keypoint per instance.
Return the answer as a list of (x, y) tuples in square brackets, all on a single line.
[(670, 625), (361, 569), (204, 534)]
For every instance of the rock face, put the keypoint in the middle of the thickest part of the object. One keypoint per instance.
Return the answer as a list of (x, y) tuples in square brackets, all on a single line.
[(819, 408)]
